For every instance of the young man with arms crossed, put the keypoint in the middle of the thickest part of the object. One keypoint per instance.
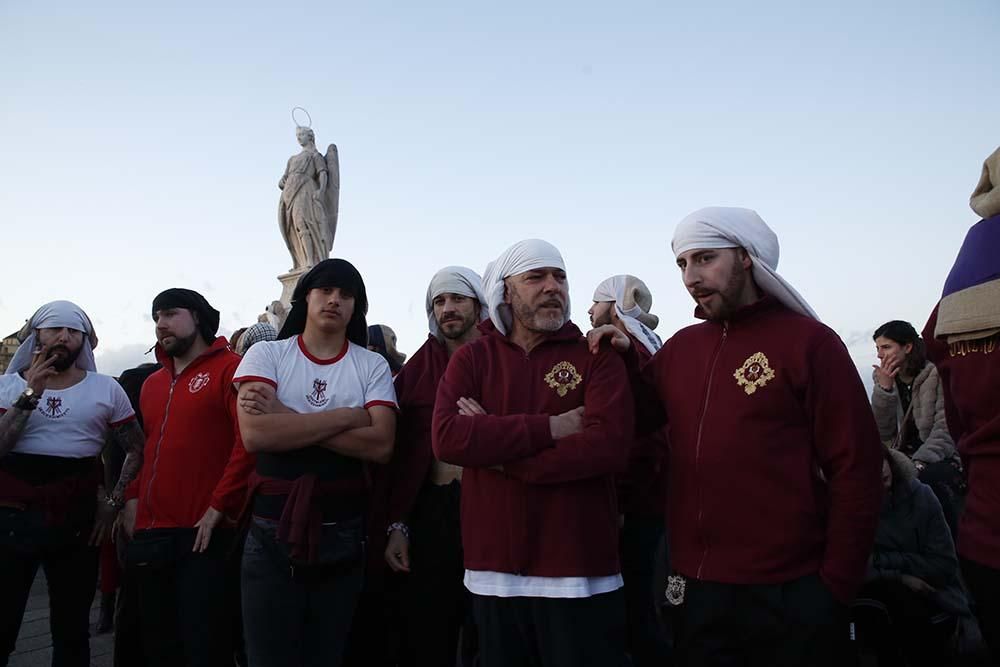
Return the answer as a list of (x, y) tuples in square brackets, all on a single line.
[(315, 405)]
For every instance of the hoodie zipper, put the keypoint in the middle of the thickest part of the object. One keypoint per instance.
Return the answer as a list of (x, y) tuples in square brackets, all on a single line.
[(697, 449), (156, 453)]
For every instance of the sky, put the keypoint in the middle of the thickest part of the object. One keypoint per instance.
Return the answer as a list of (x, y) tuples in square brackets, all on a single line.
[(141, 145)]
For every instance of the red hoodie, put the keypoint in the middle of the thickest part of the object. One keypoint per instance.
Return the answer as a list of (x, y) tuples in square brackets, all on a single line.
[(774, 457), (970, 375), (194, 456), (552, 511)]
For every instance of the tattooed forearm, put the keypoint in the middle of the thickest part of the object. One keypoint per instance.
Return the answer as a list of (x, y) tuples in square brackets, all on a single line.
[(129, 437), (12, 425)]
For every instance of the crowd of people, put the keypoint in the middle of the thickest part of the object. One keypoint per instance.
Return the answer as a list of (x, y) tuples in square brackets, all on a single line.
[(310, 496)]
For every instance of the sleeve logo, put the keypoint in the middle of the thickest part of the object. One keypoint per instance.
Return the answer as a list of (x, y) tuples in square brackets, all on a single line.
[(754, 374), (563, 378)]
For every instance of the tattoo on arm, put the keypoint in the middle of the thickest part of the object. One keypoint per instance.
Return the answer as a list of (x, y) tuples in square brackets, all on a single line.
[(129, 437), (12, 425)]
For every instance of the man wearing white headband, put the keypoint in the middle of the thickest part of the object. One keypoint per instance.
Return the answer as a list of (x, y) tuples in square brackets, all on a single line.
[(422, 497), (541, 427), (56, 413), (624, 301), (774, 458)]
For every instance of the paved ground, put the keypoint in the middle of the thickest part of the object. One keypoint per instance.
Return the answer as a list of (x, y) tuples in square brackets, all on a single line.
[(34, 643)]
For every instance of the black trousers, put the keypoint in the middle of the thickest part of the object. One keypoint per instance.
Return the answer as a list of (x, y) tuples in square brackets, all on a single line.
[(292, 621), (71, 571), (984, 584), (647, 642), (128, 624), (434, 600), (184, 598), (796, 624), (551, 632)]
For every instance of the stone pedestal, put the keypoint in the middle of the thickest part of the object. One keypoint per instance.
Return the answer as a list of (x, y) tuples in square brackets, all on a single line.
[(278, 310), (288, 282)]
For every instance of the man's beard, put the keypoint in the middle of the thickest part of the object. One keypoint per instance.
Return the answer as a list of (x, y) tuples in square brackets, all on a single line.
[(455, 334), (533, 321), (603, 320), (64, 358), (729, 296), (180, 345)]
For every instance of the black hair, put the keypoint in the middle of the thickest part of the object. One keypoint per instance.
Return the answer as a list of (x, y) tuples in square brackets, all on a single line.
[(330, 273), (178, 297), (903, 333)]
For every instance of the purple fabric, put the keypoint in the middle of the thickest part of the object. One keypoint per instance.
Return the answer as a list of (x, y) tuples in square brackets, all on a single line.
[(978, 261)]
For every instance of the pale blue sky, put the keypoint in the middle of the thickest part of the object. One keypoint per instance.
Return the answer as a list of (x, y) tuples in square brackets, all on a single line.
[(140, 148)]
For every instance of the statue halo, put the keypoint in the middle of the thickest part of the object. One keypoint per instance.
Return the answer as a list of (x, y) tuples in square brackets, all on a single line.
[(296, 120)]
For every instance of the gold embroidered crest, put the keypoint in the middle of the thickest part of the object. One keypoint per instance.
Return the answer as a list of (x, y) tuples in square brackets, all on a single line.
[(754, 373), (563, 378)]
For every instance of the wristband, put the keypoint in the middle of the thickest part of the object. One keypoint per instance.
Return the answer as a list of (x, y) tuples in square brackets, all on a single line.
[(401, 527)]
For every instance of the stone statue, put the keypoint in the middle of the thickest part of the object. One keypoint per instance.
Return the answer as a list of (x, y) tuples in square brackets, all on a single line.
[(310, 199), (274, 314)]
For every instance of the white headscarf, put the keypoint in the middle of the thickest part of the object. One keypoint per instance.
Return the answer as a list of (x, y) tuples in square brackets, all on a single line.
[(632, 303), (455, 280), (523, 256), (719, 227), (55, 315)]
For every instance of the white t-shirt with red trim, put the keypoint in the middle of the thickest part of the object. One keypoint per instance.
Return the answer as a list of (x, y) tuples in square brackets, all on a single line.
[(355, 378), (72, 422)]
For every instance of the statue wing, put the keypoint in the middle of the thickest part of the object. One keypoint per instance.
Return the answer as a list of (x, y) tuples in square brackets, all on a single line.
[(332, 203)]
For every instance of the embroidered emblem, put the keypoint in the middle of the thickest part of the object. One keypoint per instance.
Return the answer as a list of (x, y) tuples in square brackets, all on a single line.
[(318, 395), (755, 373), (563, 378), (198, 382), (676, 586), (53, 408)]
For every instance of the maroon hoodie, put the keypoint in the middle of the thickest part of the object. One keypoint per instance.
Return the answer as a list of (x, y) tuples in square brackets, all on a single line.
[(642, 488), (774, 458), (970, 375), (396, 485), (551, 511), (416, 388)]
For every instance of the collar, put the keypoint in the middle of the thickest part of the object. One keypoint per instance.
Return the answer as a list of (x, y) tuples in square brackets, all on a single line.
[(569, 332), (765, 304), (167, 361)]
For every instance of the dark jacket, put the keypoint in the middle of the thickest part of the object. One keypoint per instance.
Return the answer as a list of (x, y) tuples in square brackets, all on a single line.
[(913, 538)]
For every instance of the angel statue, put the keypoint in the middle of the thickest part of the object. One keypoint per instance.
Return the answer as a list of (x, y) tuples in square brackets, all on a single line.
[(310, 199)]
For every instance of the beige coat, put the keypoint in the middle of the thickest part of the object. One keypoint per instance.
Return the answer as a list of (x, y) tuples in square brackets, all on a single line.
[(928, 415)]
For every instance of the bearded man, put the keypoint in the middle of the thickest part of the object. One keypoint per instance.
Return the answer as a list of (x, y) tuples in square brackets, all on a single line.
[(774, 461), (540, 427)]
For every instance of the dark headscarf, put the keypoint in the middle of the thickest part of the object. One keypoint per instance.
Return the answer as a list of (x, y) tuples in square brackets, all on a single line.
[(178, 297), (379, 341), (330, 273)]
